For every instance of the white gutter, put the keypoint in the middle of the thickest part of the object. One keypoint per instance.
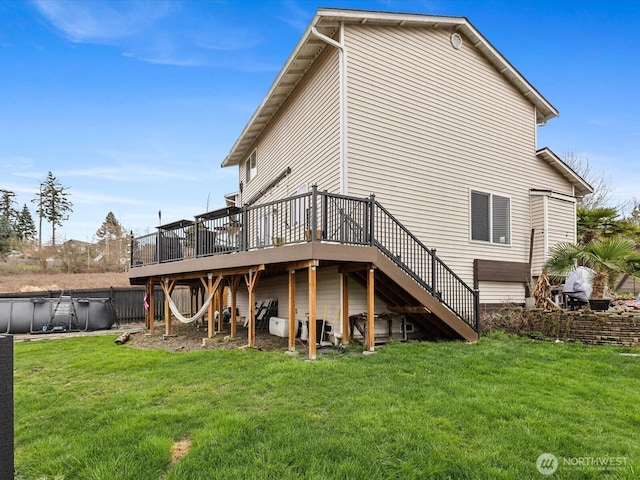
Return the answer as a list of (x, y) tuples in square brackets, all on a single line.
[(344, 185)]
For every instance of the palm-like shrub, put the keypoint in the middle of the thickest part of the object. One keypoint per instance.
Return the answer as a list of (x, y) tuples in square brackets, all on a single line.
[(607, 258)]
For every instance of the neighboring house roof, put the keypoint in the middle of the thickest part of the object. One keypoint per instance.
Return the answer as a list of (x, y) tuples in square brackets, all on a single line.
[(580, 184), (327, 22)]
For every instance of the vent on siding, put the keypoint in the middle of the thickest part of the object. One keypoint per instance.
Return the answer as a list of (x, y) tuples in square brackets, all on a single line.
[(456, 41)]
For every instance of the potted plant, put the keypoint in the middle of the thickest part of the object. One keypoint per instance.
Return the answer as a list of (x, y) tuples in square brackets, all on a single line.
[(529, 300), (607, 258), (307, 235)]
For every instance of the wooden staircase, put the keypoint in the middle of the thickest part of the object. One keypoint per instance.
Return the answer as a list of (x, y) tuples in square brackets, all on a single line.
[(404, 296)]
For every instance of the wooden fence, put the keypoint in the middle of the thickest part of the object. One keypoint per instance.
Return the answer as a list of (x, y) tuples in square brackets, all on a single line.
[(127, 301)]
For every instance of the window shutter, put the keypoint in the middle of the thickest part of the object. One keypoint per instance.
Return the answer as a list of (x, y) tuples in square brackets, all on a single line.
[(480, 216), (501, 216)]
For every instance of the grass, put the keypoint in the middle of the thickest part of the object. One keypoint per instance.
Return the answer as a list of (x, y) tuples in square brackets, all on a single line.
[(88, 409)]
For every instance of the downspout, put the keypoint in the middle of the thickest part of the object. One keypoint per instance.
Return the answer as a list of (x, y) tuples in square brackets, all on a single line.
[(344, 185), (545, 236), (575, 215), (342, 51)]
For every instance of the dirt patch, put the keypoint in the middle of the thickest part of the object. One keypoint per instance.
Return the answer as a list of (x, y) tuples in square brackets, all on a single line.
[(180, 449), (44, 281), (189, 337)]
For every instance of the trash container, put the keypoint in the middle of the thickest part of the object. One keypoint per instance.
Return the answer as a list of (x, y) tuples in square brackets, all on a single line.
[(6, 407)]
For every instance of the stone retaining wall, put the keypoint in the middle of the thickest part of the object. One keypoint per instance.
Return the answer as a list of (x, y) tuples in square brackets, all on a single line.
[(614, 327), (600, 328)]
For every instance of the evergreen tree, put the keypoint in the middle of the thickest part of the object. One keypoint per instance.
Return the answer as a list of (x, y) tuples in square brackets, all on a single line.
[(7, 219), (110, 228), (53, 205), (25, 228), (113, 240), (7, 210), (5, 235)]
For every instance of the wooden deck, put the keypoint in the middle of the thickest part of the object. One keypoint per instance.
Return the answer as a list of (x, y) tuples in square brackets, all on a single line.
[(377, 272)]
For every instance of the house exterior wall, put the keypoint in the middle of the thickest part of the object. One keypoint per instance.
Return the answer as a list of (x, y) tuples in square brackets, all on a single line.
[(553, 219), (328, 296), (304, 135), (562, 221), (427, 124), (539, 237)]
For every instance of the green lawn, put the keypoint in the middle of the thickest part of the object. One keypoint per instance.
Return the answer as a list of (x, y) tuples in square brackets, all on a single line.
[(88, 409)]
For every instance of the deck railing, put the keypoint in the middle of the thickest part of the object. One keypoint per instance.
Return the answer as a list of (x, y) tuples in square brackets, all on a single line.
[(310, 217)]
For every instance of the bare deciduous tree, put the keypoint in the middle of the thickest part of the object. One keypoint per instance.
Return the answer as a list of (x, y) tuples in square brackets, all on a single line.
[(601, 183)]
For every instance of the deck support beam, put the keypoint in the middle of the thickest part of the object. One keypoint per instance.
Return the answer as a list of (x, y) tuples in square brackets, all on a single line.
[(312, 312), (218, 307), (251, 279), (234, 283), (210, 331), (292, 310), (151, 311), (168, 288), (212, 286), (370, 341), (345, 309)]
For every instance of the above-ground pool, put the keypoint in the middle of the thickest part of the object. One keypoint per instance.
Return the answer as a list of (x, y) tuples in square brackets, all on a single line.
[(43, 315)]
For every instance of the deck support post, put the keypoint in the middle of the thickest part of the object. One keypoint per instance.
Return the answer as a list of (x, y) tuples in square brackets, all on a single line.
[(168, 288), (292, 310), (312, 312), (193, 300), (370, 340), (345, 309), (235, 282), (251, 280), (211, 287), (219, 292), (210, 330), (151, 312)]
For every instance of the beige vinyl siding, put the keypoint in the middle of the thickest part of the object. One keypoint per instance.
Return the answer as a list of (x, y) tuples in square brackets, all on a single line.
[(562, 221), (304, 135), (427, 124), (537, 223), (500, 292), (560, 226), (328, 296)]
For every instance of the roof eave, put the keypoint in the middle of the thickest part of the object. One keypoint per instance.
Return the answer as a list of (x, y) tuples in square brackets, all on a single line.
[(233, 158), (325, 17), (581, 185)]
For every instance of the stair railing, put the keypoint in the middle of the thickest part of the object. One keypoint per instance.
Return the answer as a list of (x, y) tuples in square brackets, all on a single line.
[(422, 264)]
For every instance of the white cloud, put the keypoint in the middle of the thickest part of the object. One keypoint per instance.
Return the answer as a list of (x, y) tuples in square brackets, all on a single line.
[(295, 15), (80, 197), (159, 32), (97, 21), (15, 162)]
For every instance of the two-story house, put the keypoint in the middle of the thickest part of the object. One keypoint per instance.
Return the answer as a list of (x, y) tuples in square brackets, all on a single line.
[(392, 166)]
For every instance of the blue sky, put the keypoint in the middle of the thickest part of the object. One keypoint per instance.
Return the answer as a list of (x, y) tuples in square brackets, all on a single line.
[(134, 105)]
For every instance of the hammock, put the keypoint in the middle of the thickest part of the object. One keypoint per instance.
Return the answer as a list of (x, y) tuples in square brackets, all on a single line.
[(174, 308)]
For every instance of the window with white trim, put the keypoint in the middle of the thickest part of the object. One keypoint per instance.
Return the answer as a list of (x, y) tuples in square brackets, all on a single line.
[(251, 166), (490, 218)]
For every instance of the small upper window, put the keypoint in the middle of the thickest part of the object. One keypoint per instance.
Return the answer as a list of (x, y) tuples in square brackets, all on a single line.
[(490, 218), (251, 166)]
